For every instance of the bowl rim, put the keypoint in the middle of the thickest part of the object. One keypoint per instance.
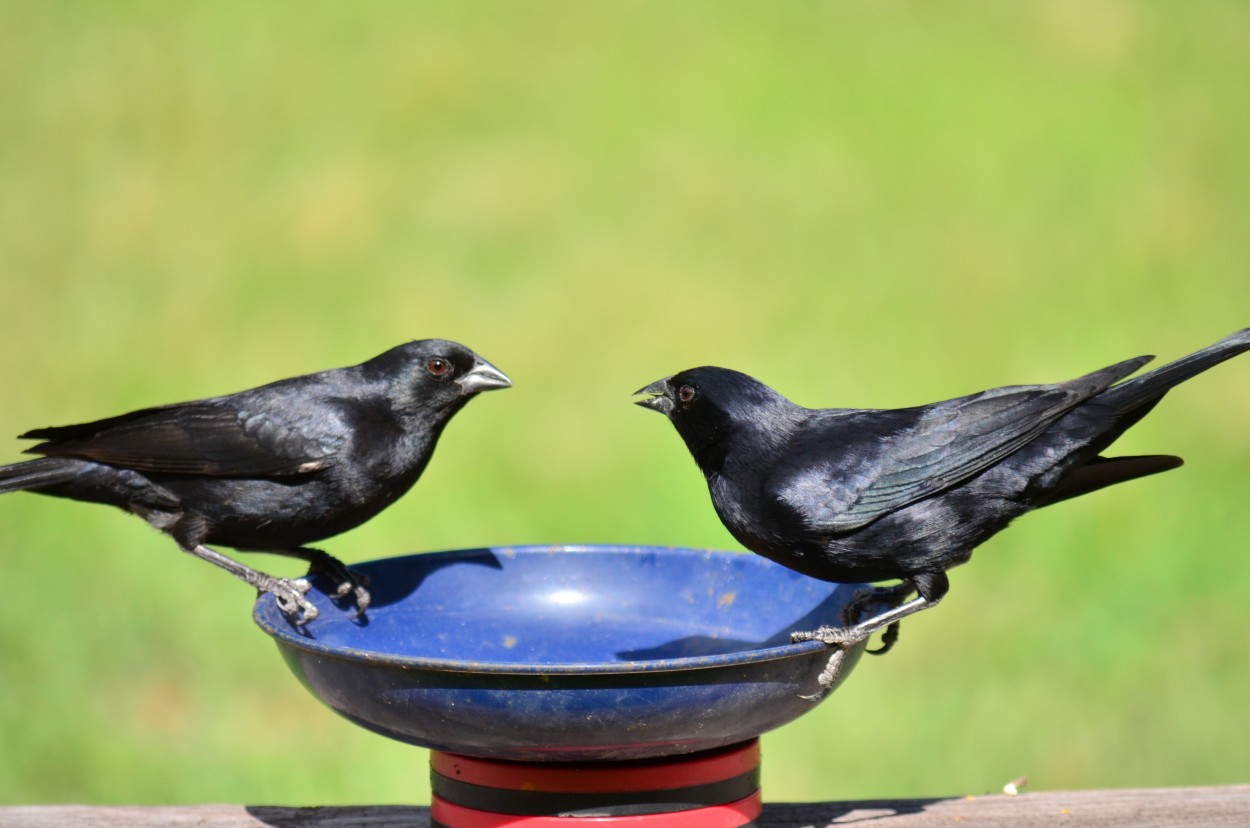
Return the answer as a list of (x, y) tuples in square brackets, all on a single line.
[(287, 637)]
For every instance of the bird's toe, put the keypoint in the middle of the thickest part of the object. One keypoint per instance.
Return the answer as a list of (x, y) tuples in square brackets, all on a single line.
[(844, 637), (888, 639), (291, 598), (350, 583), (353, 586), (363, 599)]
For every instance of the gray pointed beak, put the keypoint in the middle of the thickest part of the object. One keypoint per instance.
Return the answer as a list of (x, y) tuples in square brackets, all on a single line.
[(483, 377), (661, 398)]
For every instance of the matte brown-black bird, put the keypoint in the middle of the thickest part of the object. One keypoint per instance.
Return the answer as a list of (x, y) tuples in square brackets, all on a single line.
[(853, 495), (272, 468)]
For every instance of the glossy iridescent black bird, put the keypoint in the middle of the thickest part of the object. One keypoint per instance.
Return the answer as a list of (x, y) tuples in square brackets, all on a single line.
[(271, 468), (854, 495)]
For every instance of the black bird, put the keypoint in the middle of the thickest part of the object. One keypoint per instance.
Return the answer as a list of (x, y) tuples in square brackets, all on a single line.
[(272, 468), (862, 495)]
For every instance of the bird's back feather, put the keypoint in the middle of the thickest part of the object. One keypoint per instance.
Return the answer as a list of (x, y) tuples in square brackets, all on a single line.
[(945, 444), (223, 436)]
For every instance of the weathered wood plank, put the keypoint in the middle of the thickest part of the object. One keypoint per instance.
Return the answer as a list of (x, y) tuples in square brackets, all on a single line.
[(1149, 807), (1141, 808), (213, 816)]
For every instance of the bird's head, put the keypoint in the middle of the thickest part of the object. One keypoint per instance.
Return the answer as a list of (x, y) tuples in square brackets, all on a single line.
[(434, 375), (714, 408)]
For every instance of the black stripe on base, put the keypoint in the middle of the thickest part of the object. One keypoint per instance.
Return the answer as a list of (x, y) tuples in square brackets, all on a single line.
[(621, 803)]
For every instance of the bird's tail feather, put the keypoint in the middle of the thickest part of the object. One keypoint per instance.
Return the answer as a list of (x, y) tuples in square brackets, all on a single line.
[(1107, 471), (36, 474), (1148, 388)]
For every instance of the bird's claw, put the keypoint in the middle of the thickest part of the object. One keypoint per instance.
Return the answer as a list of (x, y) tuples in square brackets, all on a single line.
[(888, 639), (354, 585), (855, 631), (841, 639), (290, 595), (349, 581)]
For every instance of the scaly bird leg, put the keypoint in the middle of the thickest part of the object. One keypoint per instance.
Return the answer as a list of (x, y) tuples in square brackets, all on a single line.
[(932, 588), (842, 639), (290, 594), (868, 601), (847, 637)]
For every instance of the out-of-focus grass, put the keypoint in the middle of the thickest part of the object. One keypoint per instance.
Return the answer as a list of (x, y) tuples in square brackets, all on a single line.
[(861, 203)]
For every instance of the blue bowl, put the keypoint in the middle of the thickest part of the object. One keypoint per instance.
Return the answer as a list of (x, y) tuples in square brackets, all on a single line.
[(567, 653)]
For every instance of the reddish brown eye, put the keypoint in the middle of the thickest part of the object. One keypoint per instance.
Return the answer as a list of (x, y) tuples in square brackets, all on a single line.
[(438, 367), (685, 393)]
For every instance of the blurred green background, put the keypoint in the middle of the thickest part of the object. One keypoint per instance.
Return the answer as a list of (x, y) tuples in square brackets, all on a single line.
[(863, 204)]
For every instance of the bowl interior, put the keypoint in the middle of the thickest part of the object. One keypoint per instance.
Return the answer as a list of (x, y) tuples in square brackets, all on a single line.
[(567, 609)]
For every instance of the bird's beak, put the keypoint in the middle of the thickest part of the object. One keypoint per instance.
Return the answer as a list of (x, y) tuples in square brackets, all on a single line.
[(661, 399), (483, 377)]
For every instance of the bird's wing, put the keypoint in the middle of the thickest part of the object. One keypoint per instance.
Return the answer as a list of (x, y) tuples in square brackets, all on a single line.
[(942, 445), (208, 437)]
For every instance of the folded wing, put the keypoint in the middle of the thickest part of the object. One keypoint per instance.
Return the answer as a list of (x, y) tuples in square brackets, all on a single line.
[(209, 437), (942, 445)]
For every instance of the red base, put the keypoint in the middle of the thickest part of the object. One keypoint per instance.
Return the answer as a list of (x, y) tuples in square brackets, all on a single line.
[(713, 789)]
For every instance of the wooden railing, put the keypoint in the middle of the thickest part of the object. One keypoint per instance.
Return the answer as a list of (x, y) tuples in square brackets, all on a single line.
[(1188, 807)]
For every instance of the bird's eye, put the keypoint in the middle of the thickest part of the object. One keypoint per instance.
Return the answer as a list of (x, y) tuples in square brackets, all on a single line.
[(686, 393), (438, 367)]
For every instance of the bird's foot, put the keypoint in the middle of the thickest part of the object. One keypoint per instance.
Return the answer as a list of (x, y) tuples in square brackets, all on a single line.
[(289, 593), (869, 602), (850, 635), (291, 598), (350, 583), (856, 632), (846, 637), (843, 638)]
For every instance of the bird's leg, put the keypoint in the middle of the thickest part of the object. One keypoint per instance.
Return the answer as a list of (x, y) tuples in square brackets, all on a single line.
[(854, 630), (931, 586), (842, 639), (290, 594), (349, 582), (869, 599), (846, 637)]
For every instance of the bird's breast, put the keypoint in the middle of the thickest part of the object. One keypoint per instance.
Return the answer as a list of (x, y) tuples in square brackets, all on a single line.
[(749, 518)]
